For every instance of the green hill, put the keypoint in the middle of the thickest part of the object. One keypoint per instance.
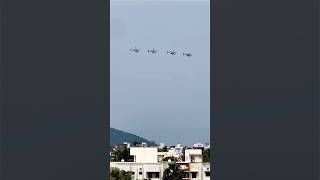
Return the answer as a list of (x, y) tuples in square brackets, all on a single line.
[(118, 137)]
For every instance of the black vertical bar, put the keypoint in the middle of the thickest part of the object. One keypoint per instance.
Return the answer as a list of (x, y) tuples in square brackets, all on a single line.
[(54, 91), (265, 76)]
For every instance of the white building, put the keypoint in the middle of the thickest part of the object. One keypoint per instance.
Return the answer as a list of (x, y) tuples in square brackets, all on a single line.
[(154, 171), (178, 148), (162, 155), (144, 154), (173, 153), (193, 155), (176, 151), (141, 171), (161, 145), (199, 171), (146, 165), (198, 145)]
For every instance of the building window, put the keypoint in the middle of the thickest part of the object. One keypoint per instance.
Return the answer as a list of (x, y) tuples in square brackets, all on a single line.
[(207, 173), (153, 174), (185, 175), (192, 159), (140, 173), (193, 174)]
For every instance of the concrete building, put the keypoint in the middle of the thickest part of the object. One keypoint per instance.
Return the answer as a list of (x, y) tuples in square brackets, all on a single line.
[(179, 148), (173, 153), (144, 154), (146, 164), (198, 145), (199, 171), (161, 145), (142, 171), (161, 156), (193, 155), (154, 171)]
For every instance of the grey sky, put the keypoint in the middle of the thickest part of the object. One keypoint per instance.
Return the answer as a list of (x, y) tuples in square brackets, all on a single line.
[(158, 96)]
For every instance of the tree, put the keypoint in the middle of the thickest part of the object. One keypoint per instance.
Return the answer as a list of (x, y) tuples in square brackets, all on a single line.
[(169, 157), (116, 174), (173, 172), (206, 155), (125, 155), (135, 143), (164, 149)]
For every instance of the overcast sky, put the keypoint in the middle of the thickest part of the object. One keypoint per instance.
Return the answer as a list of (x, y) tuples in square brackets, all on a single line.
[(161, 97)]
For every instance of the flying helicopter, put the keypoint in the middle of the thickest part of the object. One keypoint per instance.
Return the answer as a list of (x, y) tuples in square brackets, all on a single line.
[(187, 54), (153, 51), (135, 49), (172, 52)]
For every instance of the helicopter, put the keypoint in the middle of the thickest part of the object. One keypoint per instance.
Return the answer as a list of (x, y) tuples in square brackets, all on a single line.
[(187, 54), (172, 52), (134, 49), (153, 51)]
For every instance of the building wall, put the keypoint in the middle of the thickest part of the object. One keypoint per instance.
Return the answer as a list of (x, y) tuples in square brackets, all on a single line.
[(146, 161), (195, 154), (144, 168), (144, 154), (141, 169), (201, 169)]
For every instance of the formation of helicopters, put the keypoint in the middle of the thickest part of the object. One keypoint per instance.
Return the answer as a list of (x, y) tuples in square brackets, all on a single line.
[(153, 51)]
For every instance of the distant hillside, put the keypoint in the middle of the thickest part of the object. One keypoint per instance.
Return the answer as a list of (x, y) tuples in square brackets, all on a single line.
[(118, 137)]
